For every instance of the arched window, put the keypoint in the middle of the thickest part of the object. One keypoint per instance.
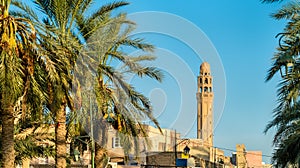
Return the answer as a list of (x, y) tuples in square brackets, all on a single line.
[(206, 81), (205, 89), (200, 90), (210, 89), (201, 80), (210, 81)]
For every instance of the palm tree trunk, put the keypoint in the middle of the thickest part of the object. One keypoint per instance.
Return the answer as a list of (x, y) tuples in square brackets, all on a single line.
[(100, 142), (100, 156), (26, 163), (8, 152), (60, 133)]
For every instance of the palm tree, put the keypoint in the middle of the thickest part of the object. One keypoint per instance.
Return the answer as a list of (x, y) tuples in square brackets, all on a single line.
[(59, 55), (103, 46), (115, 97), (286, 114), (18, 81)]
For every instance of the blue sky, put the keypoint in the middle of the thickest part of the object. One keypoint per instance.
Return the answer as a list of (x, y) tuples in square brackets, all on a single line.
[(243, 34)]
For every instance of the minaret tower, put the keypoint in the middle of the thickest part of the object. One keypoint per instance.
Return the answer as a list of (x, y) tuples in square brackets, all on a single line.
[(205, 105)]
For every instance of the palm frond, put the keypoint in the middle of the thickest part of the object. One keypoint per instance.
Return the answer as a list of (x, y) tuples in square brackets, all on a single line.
[(106, 9), (288, 11), (271, 1), (26, 11)]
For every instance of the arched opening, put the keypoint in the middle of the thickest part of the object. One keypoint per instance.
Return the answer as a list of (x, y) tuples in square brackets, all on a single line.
[(200, 89), (210, 89), (206, 81), (201, 81), (205, 89)]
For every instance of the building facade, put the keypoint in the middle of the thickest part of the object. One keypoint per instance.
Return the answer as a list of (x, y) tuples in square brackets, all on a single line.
[(241, 156), (156, 141), (254, 159)]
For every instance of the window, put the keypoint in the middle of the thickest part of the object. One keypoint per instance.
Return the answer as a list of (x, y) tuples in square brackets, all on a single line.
[(206, 81), (161, 146), (116, 142)]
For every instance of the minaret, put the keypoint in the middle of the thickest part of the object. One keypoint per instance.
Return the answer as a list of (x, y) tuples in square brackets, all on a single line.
[(205, 105)]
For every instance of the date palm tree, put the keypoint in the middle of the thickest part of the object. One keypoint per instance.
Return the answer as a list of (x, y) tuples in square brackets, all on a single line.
[(19, 82), (59, 45), (286, 62), (118, 103)]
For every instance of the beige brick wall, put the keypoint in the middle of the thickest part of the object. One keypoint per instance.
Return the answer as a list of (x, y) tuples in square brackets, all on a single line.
[(254, 159)]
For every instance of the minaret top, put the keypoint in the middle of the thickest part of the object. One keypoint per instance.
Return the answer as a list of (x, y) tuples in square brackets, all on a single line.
[(205, 68)]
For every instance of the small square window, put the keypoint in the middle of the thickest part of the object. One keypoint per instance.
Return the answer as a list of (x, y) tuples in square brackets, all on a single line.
[(116, 142)]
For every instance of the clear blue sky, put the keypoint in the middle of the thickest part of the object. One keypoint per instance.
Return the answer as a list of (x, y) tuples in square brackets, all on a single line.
[(243, 34)]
